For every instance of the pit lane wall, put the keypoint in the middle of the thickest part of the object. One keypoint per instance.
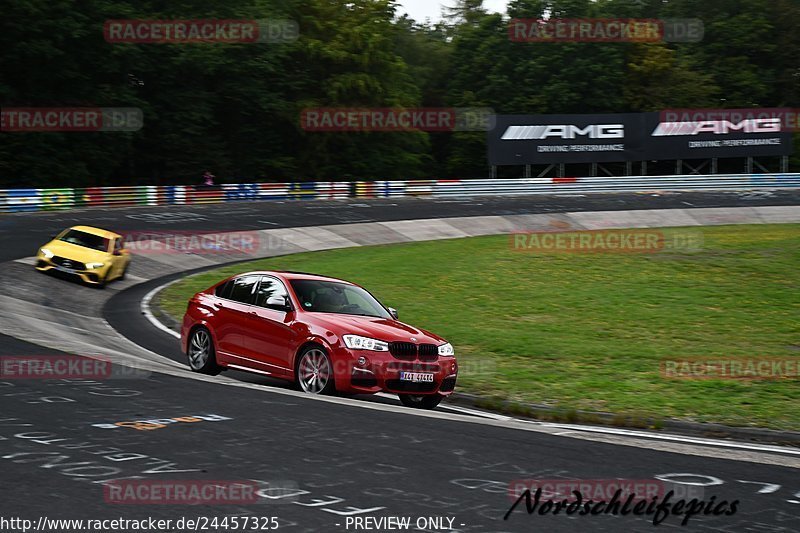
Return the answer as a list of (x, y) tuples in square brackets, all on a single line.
[(29, 199)]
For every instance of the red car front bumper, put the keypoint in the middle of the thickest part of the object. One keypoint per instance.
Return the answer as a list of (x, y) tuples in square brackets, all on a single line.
[(383, 373)]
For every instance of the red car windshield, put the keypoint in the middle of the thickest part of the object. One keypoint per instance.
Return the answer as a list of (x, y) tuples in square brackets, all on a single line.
[(339, 298)]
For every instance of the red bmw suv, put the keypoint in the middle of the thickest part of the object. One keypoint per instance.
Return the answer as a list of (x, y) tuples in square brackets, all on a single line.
[(323, 333)]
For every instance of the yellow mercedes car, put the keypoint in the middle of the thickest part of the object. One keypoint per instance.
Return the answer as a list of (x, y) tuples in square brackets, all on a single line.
[(94, 255)]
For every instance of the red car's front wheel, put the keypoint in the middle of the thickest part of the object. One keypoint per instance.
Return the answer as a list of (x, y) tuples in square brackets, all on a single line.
[(315, 371)]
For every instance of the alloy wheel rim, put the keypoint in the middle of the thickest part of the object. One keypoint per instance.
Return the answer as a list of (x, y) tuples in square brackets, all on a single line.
[(315, 371), (199, 349)]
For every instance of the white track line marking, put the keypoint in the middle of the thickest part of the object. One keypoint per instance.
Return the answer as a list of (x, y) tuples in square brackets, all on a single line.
[(145, 307), (455, 408), (483, 414), (677, 438)]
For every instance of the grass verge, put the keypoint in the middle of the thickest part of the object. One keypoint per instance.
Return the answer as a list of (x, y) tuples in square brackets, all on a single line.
[(590, 331)]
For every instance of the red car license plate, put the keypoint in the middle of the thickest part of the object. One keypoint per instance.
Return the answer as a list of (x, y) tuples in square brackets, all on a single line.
[(416, 377)]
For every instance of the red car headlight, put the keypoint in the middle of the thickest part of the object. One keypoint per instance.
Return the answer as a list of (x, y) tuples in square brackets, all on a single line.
[(356, 342), (447, 350)]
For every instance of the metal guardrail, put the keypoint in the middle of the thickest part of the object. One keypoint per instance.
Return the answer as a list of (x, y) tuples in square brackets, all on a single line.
[(14, 200), (508, 187)]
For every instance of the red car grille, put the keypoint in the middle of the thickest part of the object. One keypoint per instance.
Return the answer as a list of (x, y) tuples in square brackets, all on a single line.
[(409, 351), (428, 352), (403, 350)]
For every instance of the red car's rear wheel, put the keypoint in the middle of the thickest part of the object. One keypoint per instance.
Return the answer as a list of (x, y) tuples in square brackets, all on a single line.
[(202, 357)]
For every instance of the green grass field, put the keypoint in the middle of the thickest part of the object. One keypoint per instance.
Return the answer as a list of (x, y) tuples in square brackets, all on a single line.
[(589, 331)]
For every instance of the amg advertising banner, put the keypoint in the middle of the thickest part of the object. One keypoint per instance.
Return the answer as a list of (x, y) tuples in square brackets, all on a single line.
[(547, 139), (675, 135), (537, 139)]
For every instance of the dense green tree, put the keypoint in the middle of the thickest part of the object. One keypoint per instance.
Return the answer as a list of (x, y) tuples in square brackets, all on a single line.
[(235, 108)]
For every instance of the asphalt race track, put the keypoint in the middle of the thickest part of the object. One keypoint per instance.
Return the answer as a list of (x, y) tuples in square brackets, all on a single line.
[(23, 232), (396, 464), (320, 462)]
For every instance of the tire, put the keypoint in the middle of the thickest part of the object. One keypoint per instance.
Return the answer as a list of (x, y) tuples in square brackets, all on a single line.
[(200, 353), (421, 402), (314, 373), (124, 272)]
